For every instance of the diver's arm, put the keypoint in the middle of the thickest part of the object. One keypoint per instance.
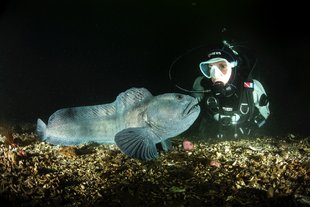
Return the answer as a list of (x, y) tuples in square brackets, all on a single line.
[(197, 86), (261, 103)]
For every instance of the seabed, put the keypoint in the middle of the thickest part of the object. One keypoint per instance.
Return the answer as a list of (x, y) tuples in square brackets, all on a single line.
[(262, 171)]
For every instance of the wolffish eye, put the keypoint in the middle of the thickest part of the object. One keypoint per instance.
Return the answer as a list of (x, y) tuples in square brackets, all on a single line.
[(179, 96)]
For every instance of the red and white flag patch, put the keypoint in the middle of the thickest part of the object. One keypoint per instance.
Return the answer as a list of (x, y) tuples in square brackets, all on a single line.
[(248, 84)]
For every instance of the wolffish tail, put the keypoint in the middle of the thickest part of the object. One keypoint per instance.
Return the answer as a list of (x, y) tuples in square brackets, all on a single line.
[(41, 129)]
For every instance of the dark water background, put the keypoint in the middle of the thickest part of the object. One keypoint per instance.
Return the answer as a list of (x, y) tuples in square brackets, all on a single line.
[(56, 54)]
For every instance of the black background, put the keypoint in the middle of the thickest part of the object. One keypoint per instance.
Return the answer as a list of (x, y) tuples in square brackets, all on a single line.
[(56, 54)]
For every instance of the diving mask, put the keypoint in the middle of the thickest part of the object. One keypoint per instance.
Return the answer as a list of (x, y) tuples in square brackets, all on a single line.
[(217, 69)]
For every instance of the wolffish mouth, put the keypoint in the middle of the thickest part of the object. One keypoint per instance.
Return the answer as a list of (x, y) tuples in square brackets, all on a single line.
[(192, 107)]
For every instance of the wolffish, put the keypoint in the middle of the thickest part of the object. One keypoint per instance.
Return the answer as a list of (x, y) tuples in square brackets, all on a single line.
[(136, 121)]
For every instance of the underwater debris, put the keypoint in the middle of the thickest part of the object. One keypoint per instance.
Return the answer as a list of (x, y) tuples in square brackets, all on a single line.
[(39, 174), (68, 151), (215, 163), (187, 145), (7, 134)]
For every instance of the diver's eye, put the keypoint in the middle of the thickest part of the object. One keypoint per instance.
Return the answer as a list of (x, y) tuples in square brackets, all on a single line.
[(222, 66), (179, 96)]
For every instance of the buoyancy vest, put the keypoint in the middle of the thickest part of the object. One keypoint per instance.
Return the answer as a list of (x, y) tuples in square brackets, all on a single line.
[(233, 110)]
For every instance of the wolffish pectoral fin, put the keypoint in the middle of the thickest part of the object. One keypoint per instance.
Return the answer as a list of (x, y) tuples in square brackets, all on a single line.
[(166, 145), (139, 143)]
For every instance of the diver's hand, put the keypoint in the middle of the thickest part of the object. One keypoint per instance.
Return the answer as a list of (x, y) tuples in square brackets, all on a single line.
[(198, 96), (198, 88)]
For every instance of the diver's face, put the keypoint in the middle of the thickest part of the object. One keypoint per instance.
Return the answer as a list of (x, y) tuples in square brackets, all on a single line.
[(222, 72)]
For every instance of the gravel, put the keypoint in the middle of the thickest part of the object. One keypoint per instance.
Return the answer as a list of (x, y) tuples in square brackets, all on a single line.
[(261, 171)]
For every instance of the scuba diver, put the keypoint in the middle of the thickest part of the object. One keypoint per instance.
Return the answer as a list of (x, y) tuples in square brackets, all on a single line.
[(235, 104)]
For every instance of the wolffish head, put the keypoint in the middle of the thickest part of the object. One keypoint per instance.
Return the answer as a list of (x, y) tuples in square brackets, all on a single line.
[(171, 114)]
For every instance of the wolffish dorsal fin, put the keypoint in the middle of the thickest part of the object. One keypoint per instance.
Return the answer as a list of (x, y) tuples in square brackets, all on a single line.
[(132, 97), (83, 113)]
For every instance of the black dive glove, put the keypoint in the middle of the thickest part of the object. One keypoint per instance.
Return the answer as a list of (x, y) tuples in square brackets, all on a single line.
[(259, 120)]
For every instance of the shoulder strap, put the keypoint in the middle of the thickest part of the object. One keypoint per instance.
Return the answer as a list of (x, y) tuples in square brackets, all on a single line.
[(246, 104)]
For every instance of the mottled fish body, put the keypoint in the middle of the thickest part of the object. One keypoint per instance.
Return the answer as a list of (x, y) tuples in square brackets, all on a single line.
[(136, 121)]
